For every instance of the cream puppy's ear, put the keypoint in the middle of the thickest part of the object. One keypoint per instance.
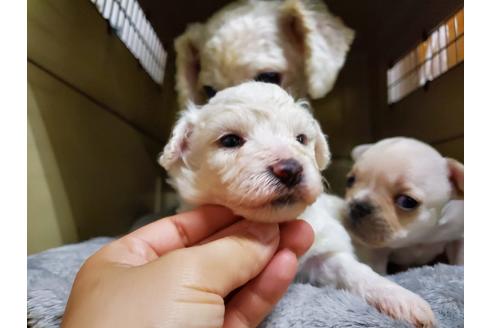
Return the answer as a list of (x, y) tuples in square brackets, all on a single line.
[(322, 38), (187, 48), (177, 146), (359, 150), (457, 175), (323, 155)]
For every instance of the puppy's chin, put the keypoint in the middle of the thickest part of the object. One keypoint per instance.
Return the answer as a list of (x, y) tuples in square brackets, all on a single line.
[(274, 206), (373, 242), (273, 213), (373, 233)]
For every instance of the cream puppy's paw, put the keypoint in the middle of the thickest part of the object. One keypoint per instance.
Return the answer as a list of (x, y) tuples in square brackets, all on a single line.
[(402, 304)]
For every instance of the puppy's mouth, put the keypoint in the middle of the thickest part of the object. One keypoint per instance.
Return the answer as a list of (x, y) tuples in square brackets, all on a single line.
[(279, 205)]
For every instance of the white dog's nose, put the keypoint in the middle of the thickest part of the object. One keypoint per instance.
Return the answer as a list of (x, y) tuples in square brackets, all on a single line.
[(288, 171)]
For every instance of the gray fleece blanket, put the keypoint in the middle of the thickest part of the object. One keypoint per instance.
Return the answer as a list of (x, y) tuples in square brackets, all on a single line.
[(50, 275)]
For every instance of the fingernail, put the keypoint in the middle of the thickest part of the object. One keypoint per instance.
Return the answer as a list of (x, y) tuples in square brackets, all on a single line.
[(265, 232)]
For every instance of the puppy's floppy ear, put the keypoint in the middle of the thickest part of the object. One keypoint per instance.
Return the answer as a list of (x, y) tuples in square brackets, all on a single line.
[(322, 38), (187, 48), (359, 150), (175, 149), (457, 175), (321, 150)]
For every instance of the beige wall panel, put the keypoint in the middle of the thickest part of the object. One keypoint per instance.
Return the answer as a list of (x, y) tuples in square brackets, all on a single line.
[(43, 228), (108, 169), (344, 114), (49, 216), (452, 148), (71, 39)]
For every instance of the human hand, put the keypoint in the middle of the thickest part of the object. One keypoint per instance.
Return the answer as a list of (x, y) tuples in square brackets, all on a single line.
[(177, 271)]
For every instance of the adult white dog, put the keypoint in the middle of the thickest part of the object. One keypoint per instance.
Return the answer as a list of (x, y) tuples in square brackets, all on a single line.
[(297, 44), (255, 150), (406, 203)]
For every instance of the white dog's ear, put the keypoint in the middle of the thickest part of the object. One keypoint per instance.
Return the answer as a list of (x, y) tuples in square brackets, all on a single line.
[(457, 175), (359, 150), (321, 150), (175, 150), (323, 40), (187, 48)]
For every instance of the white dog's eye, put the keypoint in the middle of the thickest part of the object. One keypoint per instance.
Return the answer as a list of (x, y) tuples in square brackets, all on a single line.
[(302, 138), (406, 203), (269, 77), (209, 91), (231, 141)]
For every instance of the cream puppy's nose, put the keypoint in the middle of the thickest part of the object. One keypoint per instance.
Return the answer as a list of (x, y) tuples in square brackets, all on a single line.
[(360, 209), (288, 171)]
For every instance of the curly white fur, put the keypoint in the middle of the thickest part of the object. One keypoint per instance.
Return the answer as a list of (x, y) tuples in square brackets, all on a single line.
[(299, 39), (269, 120)]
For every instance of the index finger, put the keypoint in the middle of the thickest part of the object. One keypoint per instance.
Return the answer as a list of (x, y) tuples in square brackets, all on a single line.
[(183, 229)]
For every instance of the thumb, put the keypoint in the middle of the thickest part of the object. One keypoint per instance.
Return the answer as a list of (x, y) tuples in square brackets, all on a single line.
[(225, 264)]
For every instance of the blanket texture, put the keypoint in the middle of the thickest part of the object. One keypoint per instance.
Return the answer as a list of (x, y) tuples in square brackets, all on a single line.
[(51, 273)]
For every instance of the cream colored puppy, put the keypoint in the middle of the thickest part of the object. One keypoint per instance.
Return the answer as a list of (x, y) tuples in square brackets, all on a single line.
[(406, 203), (297, 44), (253, 149)]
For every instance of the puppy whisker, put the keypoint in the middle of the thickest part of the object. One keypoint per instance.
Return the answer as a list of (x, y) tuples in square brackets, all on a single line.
[(251, 186)]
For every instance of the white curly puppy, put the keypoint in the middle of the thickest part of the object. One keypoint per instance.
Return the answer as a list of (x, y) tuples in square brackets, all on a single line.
[(297, 44), (255, 150), (406, 203)]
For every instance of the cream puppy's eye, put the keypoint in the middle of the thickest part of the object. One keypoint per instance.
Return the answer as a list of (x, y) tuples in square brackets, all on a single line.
[(350, 181), (302, 138), (231, 141), (269, 77), (406, 203), (209, 91)]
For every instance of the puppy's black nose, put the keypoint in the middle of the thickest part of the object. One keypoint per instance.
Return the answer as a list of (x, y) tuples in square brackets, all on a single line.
[(360, 209), (288, 171)]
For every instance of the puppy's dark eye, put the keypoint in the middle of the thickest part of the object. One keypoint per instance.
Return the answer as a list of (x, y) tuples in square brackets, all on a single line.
[(302, 139), (269, 77), (231, 141), (209, 91), (350, 181), (406, 203)]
